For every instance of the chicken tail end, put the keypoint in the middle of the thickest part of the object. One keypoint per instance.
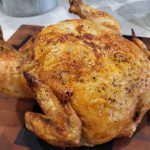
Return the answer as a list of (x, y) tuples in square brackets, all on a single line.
[(139, 43)]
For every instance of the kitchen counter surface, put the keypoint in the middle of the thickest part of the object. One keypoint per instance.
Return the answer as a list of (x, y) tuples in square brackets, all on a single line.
[(131, 14)]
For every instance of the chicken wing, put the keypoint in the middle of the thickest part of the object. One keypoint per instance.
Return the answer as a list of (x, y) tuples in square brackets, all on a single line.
[(59, 125)]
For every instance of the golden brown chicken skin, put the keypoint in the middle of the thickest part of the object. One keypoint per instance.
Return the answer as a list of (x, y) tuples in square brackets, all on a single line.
[(11, 78), (91, 83)]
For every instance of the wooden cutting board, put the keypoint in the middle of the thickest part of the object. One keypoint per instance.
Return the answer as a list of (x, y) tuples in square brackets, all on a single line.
[(13, 134)]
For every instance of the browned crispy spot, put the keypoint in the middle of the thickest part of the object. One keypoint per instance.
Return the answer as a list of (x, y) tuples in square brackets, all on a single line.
[(88, 36), (66, 96), (32, 82), (79, 28), (65, 37), (69, 93), (46, 121), (119, 57)]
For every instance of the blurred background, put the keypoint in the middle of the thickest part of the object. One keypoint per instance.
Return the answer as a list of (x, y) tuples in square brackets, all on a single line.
[(131, 13)]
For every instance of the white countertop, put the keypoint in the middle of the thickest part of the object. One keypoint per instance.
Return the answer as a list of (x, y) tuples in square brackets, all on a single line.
[(131, 14)]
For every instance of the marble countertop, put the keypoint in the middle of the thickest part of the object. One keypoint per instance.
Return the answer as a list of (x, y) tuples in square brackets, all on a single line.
[(131, 14)]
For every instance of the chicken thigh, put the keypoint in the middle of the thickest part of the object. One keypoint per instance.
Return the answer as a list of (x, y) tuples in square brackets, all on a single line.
[(91, 83)]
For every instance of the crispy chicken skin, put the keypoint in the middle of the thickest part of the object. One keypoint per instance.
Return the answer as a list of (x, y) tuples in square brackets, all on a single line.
[(91, 83), (99, 17), (12, 81)]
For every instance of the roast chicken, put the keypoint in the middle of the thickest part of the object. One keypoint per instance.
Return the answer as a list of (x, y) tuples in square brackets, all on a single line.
[(92, 84)]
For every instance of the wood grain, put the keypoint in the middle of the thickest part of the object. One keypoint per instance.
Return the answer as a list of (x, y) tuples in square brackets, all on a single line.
[(22, 33)]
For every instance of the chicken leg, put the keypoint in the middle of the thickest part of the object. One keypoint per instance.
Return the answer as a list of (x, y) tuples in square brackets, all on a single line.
[(97, 16)]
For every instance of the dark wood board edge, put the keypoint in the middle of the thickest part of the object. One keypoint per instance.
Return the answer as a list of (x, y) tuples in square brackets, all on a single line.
[(22, 32)]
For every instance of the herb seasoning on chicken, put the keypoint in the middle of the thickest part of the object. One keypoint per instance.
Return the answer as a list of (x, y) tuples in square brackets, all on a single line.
[(91, 83)]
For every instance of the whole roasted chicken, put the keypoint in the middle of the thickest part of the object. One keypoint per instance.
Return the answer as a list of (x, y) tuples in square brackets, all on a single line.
[(92, 84)]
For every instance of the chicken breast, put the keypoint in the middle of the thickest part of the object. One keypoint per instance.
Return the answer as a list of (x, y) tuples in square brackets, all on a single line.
[(91, 83)]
